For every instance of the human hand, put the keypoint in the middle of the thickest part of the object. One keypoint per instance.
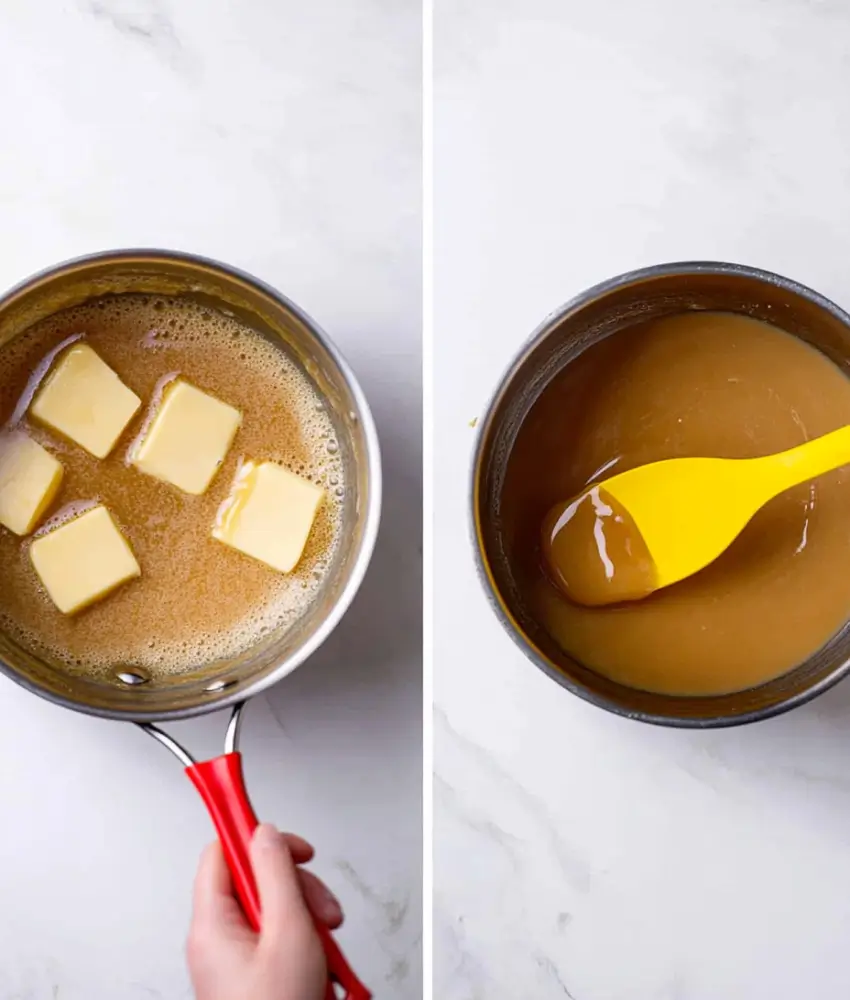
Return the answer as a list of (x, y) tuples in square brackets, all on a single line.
[(227, 959)]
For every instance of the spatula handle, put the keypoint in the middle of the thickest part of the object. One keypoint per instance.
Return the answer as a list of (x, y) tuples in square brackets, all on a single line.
[(808, 460)]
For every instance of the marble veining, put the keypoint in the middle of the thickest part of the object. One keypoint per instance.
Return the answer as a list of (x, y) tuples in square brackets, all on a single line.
[(152, 26)]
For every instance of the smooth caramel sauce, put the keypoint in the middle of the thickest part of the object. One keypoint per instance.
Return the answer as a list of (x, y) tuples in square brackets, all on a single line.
[(694, 384), (594, 552), (197, 600)]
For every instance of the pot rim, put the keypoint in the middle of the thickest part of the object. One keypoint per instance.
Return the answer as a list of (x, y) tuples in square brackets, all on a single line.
[(494, 599), (370, 524)]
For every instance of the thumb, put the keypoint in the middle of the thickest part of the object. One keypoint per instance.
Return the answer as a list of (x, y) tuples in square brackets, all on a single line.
[(281, 899)]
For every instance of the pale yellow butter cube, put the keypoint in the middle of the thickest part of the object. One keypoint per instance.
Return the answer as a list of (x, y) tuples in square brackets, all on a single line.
[(269, 514), (83, 560), (188, 438), (85, 401), (29, 480)]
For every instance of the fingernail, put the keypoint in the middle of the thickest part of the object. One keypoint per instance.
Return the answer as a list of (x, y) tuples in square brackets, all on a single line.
[(266, 837), (333, 909)]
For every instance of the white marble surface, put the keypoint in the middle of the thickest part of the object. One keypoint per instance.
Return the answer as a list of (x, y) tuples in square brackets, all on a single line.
[(579, 855), (282, 137)]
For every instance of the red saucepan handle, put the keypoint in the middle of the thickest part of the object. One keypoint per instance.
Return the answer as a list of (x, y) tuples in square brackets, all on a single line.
[(222, 787)]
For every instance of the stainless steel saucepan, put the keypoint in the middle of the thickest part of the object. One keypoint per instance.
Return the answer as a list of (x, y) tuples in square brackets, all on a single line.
[(602, 311), (128, 693)]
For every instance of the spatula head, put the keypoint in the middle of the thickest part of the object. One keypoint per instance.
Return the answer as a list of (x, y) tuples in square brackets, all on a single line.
[(688, 510)]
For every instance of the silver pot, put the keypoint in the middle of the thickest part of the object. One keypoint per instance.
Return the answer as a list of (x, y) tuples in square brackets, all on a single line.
[(130, 695), (266, 310), (590, 317)]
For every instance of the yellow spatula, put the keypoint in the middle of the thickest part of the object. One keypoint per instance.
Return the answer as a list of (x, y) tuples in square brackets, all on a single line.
[(654, 525)]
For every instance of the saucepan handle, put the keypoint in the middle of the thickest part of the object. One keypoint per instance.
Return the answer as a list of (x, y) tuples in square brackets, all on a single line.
[(222, 787)]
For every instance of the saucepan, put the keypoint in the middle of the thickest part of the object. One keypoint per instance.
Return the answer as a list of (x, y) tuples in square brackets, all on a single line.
[(603, 310), (130, 694)]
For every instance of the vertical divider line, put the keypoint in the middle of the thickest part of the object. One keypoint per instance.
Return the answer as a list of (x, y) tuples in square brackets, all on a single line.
[(427, 495)]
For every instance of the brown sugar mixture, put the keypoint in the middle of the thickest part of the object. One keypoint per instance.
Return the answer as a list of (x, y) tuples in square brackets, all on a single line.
[(196, 600), (700, 384)]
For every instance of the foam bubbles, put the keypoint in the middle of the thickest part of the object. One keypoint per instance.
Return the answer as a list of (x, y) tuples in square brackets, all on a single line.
[(197, 600)]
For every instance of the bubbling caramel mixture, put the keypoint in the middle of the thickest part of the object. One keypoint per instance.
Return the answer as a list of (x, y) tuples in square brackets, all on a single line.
[(196, 600)]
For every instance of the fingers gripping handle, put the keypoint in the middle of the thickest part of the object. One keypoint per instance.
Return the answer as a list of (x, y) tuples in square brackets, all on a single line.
[(221, 785)]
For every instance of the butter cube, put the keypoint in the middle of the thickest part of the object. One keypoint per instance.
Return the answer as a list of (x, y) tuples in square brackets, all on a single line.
[(269, 514), (29, 480), (83, 560), (85, 401), (188, 439)]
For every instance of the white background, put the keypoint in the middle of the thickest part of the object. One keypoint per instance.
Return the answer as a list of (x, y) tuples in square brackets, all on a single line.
[(284, 138), (579, 855)]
